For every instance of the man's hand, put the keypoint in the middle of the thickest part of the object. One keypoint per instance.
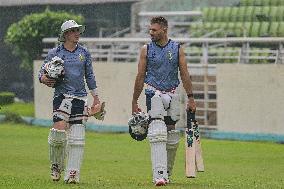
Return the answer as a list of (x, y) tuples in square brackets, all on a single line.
[(96, 100), (191, 104), (47, 81), (98, 111), (135, 108)]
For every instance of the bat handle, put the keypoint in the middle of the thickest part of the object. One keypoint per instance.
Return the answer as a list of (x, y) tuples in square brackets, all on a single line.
[(190, 115)]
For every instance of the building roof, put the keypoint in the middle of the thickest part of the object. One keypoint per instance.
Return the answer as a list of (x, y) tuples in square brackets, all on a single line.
[(67, 2)]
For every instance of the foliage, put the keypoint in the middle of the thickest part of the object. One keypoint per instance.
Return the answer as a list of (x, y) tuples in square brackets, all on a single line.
[(23, 109), (25, 36), (117, 161), (13, 117), (6, 98)]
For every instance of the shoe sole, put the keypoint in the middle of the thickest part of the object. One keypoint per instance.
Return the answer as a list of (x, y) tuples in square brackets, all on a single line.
[(160, 183), (71, 182), (55, 179)]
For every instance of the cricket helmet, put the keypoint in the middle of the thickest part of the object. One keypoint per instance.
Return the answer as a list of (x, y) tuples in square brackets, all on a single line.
[(55, 69), (138, 126)]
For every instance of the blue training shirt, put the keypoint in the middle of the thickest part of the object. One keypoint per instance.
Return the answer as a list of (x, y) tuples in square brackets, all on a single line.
[(77, 67), (162, 65)]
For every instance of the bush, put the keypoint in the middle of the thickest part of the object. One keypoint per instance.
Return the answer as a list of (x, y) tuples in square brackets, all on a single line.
[(23, 109), (6, 98), (13, 117), (25, 37)]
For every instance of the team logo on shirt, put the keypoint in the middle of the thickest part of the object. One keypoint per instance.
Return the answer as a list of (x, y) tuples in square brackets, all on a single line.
[(81, 57), (170, 55)]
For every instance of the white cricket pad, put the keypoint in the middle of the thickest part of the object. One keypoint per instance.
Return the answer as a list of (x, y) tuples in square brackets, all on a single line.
[(157, 135), (172, 145), (75, 151), (174, 110), (157, 108), (57, 145)]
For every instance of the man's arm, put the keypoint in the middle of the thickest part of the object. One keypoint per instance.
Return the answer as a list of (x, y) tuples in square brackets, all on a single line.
[(186, 81), (47, 81), (42, 76), (91, 80), (97, 109), (89, 72), (139, 81), (95, 95)]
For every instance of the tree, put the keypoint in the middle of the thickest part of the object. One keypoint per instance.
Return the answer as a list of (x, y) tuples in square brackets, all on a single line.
[(25, 37)]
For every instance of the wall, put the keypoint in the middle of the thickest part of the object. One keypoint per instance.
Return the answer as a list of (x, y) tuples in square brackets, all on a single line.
[(115, 84), (250, 98)]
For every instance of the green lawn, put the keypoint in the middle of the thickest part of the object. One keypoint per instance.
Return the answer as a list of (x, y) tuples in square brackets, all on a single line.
[(23, 109), (117, 161)]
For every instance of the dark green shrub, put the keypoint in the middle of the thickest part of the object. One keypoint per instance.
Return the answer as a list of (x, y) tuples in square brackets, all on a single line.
[(25, 37), (13, 117), (6, 98)]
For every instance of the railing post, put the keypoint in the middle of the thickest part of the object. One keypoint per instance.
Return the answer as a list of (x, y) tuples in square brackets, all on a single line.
[(245, 53), (205, 48), (110, 53), (280, 54)]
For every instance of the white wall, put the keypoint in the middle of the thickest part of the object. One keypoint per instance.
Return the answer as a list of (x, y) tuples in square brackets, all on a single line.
[(250, 98), (115, 84)]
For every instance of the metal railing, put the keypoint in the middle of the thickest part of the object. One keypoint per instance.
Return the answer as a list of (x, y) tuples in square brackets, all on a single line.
[(197, 50)]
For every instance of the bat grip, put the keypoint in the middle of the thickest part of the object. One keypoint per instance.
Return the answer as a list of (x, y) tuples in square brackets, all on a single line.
[(190, 115)]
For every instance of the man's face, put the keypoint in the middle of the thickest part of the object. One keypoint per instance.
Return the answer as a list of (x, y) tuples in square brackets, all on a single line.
[(157, 32), (72, 35)]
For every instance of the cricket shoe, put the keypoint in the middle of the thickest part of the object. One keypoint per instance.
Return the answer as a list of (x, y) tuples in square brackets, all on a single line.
[(160, 182), (55, 172), (72, 177)]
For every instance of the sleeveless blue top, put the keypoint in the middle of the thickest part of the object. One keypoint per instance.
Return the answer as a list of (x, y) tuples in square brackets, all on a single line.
[(162, 65)]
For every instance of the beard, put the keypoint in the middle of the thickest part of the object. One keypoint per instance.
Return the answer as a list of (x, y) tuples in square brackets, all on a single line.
[(155, 39)]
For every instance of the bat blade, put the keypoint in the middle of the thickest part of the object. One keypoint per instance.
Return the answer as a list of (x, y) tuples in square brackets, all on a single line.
[(190, 144), (198, 150), (198, 158)]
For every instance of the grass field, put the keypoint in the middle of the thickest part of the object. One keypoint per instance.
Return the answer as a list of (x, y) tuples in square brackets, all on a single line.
[(23, 109), (117, 161)]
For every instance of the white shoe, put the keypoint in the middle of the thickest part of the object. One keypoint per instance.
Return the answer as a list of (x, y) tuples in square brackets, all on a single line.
[(55, 172), (72, 178), (160, 182)]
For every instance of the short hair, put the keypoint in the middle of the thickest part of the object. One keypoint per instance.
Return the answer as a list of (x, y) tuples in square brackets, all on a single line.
[(159, 20)]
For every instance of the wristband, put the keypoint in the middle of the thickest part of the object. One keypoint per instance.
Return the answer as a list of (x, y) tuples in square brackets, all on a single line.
[(94, 92)]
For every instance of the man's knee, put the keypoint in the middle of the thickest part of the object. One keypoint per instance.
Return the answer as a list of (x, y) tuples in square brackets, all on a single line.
[(60, 125), (171, 127)]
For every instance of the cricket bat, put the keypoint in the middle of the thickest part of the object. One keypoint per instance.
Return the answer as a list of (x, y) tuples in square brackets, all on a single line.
[(194, 159), (190, 144)]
